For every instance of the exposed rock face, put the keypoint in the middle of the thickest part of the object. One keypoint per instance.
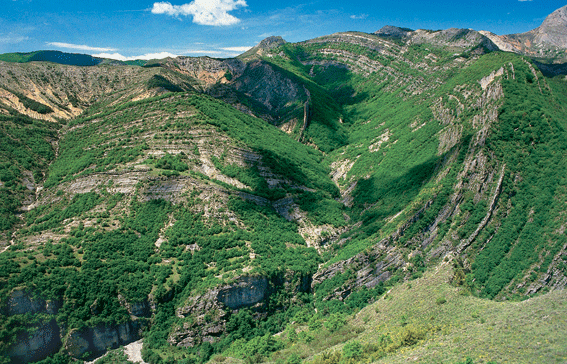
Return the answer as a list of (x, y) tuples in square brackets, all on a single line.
[(246, 292), (21, 302), (206, 315), (140, 309), (67, 90), (553, 30), (275, 91), (500, 41), (264, 46), (205, 69), (370, 268), (340, 59), (462, 39), (43, 341), (198, 328), (98, 339), (137, 309), (270, 43), (548, 40)]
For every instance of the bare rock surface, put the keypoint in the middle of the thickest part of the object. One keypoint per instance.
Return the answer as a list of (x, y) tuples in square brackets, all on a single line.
[(98, 339), (549, 40), (21, 302), (42, 341), (133, 352), (207, 312)]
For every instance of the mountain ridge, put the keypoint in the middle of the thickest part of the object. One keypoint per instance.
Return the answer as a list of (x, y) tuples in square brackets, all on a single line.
[(550, 36), (206, 204)]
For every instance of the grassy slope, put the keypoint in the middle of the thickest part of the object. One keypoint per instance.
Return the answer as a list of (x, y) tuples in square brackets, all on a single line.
[(25, 152), (464, 326), (531, 331)]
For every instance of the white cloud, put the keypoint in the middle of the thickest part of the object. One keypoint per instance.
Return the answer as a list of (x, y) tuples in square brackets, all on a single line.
[(12, 39), (236, 49), (147, 56), (80, 47), (363, 16), (204, 12)]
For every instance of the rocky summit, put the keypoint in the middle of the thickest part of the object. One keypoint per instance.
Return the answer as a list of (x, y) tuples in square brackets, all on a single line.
[(548, 41), (354, 197)]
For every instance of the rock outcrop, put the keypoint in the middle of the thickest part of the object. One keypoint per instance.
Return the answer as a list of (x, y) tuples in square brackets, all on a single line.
[(247, 292), (463, 40), (549, 40), (271, 88), (40, 339), (551, 33), (207, 71), (205, 316), (21, 302), (37, 343), (44, 338), (97, 340), (265, 45)]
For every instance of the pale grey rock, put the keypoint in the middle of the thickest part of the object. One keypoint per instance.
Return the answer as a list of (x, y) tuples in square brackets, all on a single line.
[(553, 30), (204, 316), (42, 341), (21, 302), (98, 339), (464, 40), (245, 293), (270, 87)]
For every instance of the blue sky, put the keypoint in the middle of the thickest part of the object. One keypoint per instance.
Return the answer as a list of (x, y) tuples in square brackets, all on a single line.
[(223, 28)]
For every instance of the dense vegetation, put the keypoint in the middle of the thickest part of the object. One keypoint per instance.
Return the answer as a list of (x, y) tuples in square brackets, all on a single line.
[(25, 152), (408, 159)]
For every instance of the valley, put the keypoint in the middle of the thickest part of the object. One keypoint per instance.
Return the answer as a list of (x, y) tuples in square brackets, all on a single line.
[(356, 197)]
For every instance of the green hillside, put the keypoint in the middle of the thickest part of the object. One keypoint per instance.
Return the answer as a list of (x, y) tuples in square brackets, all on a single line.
[(428, 320), (350, 198)]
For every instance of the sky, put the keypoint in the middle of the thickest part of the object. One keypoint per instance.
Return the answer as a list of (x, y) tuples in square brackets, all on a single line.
[(129, 29)]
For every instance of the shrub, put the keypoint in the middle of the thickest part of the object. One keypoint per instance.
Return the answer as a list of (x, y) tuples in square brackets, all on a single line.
[(352, 350), (293, 359), (335, 322)]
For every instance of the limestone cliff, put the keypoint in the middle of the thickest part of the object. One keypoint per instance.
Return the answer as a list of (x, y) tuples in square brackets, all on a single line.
[(204, 316), (96, 340), (36, 344)]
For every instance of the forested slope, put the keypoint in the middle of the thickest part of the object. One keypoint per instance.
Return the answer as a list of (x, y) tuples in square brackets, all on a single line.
[(206, 205)]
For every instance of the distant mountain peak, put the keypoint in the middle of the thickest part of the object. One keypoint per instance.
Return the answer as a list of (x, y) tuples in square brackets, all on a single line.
[(264, 45), (549, 40), (271, 42), (553, 30)]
